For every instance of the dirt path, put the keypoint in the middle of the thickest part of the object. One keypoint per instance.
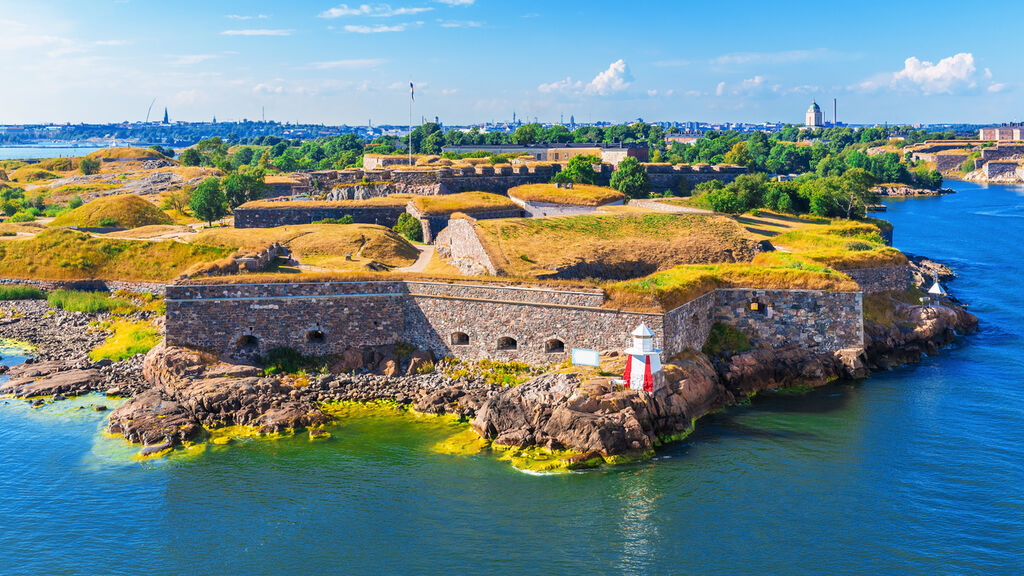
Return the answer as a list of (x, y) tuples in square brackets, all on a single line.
[(426, 253)]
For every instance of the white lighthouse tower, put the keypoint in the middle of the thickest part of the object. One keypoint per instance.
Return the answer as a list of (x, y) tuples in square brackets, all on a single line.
[(643, 362)]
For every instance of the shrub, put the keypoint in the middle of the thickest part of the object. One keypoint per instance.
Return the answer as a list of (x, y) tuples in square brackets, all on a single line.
[(631, 179), (21, 293), (23, 216), (89, 302), (409, 226), (107, 222), (724, 339), (346, 219), (283, 360), (89, 166)]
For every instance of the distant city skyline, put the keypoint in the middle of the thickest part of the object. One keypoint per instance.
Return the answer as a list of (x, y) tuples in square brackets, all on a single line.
[(478, 61)]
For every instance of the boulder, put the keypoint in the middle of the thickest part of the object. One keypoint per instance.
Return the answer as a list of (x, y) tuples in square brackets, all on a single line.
[(417, 360)]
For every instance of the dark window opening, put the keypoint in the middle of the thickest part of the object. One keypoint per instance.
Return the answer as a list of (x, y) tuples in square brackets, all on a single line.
[(315, 337), (507, 343), (460, 339), (247, 341), (554, 346)]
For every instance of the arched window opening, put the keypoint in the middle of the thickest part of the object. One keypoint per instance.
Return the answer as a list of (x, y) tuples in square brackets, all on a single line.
[(315, 337), (507, 343), (554, 346), (247, 341), (460, 339)]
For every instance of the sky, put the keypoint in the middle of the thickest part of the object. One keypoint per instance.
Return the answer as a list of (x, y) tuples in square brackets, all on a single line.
[(478, 61)]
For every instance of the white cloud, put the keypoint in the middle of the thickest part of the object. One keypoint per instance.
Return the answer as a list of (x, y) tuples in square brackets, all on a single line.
[(988, 73), (671, 63), (449, 91), (783, 57), (263, 88), (720, 89), (190, 59), (257, 32), (246, 17), (467, 24), (457, 2), (941, 77), (997, 87), (615, 79), (374, 29), (567, 85), (376, 10), (348, 64)]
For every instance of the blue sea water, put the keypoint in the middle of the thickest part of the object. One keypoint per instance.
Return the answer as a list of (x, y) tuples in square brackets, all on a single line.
[(46, 151), (915, 471)]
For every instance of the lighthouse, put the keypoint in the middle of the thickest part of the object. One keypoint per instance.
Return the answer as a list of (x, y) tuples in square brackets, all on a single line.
[(643, 362)]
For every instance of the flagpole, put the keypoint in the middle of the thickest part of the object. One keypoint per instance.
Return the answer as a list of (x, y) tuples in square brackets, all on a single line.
[(411, 97)]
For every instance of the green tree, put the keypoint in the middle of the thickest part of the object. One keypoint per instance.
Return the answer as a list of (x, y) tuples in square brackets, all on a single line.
[(89, 166), (409, 226), (191, 157), (631, 179), (527, 134), (580, 170), (208, 201), (738, 155), (432, 144), (243, 187)]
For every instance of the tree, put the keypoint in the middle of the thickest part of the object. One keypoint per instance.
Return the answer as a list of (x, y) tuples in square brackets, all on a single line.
[(89, 166), (631, 179), (409, 226), (207, 202), (177, 200), (432, 144), (191, 157), (526, 134), (738, 155), (580, 170), (243, 187)]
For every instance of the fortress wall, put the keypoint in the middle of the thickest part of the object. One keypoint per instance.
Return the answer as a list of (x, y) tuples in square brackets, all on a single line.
[(542, 209), (271, 217), (949, 162), (470, 321), (813, 320), (1000, 169), (460, 242), (882, 279)]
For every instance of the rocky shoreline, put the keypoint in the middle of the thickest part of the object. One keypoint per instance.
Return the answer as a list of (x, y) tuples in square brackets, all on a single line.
[(903, 191), (175, 395)]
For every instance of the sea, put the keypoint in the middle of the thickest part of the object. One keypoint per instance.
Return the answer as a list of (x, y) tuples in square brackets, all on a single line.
[(51, 150), (918, 470)]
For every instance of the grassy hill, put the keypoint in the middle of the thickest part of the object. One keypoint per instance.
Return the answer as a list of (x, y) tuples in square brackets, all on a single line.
[(466, 202), (121, 211), (31, 173), (612, 246), (125, 154), (61, 254), (322, 245), (578, 195)]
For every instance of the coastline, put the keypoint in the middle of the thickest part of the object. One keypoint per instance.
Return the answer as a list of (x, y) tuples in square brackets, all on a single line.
[(555, 421)]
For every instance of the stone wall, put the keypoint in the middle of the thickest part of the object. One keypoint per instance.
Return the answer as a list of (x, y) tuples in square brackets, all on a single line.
[(88, 285), (460, 243), (543, 209), (1001, 169), (881, 279), (296, 213), (476, 321), (810, 319), (949, 162), (432, 224)]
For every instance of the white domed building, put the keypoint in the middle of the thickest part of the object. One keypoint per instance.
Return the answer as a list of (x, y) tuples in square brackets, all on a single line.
[(814, 118)]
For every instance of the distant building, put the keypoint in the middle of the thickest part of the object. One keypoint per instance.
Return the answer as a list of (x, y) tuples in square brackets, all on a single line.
[(554, 152), (684, 138), (814, 118), (1006, 132)]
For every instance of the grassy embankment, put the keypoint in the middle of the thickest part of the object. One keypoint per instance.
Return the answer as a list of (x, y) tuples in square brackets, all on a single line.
[(578, 195), (122, 211), (321, 245), (466, 202), (61, 254), (617, 243), (394, 200)]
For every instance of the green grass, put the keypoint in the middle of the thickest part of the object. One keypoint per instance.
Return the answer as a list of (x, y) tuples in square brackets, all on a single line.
[(90, 302), (466, 202), (578, 195), (122, 211), (21, 293), (129, 338)]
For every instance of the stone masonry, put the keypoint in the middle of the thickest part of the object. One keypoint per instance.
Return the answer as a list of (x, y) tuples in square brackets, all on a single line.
[(476, 321)]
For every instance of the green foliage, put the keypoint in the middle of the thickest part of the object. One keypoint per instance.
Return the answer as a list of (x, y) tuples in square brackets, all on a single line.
[(169, 152), (346, 219), (23, 216), (244, 186), (410, 227), (129, 339), (75, 201), (631, 179), (107, 222), (285, 360), (90, 302), (725, 340), (89, 166), (191, 157), (208, 201), (579, 170), (21, 293)]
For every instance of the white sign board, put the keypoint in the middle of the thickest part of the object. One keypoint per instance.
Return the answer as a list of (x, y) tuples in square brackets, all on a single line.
[(584, 357)]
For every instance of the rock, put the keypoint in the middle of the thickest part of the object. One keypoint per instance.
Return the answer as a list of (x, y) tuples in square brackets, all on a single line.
[(351, 359), (101, 408), (71, 382), (389, 367), (417, 360)]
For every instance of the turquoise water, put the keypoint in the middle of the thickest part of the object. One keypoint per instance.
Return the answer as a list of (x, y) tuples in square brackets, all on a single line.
[(914, 471), (56, 151)]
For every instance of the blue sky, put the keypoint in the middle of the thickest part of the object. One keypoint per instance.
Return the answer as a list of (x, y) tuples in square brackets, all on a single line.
[(474, 61)]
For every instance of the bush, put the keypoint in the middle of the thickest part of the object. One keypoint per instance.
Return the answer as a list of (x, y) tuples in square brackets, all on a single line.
[(90, 302), (23, 216), (75, 201), (128, 339), (107, 222), (346, 219), (409, 226), (724, 339), (631, 179), (21, 293), (89, 166), (283, 360)]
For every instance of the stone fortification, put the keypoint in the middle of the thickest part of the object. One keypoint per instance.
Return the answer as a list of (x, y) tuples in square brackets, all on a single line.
[(432, 224), (881, 279), (460, 242), (471, 321), (544, 209), (291, 213)]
